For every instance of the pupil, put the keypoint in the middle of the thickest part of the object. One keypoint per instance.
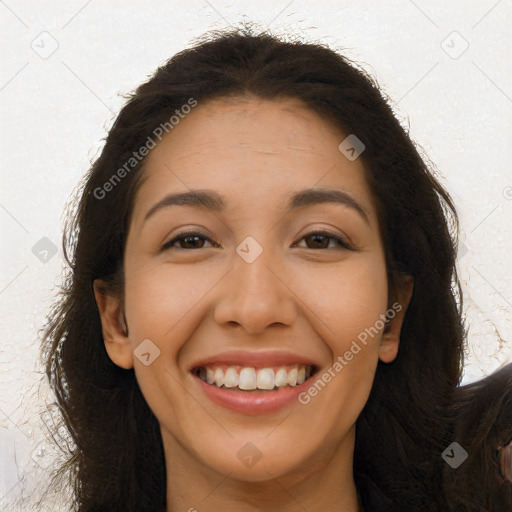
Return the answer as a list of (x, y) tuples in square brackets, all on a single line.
[(317, 237), (195, 237)]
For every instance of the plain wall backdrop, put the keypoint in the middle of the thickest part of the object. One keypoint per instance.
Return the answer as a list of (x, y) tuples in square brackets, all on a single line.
[(445, 65)]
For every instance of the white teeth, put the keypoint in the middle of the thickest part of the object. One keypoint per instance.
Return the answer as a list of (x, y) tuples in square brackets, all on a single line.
[(265, 378), (231, 377), (291, 378), (219, 377), (280, 379), (247, 379)]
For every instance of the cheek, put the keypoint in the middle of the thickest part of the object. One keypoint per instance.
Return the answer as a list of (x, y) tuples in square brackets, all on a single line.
[(345, 300), (165, 304), (159, 299), (350, 305), (349, 300)]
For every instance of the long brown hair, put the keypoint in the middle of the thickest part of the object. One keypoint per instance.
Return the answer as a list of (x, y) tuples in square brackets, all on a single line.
[(117, 463)]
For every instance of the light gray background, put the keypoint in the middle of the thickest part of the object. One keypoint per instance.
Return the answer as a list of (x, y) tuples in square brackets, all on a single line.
[(56, 108)]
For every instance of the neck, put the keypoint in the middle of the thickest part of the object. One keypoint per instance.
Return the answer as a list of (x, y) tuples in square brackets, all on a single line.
[(326, 483)]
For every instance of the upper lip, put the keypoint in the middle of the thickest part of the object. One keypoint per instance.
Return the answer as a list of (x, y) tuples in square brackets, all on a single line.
[(255, 359)]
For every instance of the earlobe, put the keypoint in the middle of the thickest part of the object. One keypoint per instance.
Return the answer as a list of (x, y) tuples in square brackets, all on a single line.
[(113, 325), (388, 348)]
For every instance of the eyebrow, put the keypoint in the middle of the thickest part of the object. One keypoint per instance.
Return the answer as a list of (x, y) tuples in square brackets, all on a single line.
[(209, 200)]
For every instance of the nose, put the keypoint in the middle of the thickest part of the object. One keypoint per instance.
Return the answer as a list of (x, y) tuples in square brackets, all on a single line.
[(256, 295)]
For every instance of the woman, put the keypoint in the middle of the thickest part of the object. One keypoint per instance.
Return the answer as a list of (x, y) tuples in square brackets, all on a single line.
[(263, 311)]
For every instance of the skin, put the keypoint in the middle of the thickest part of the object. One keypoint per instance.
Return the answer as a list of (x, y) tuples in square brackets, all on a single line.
[(311, 298)]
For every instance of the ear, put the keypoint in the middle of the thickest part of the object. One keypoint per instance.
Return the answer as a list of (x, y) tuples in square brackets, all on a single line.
[(388, 348), (113, 325)]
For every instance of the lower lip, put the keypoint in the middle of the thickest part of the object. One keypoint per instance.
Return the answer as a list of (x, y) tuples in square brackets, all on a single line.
[(248, 402)]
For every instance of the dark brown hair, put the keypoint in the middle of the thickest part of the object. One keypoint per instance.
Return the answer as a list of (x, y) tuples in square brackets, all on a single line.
[(117, 463)]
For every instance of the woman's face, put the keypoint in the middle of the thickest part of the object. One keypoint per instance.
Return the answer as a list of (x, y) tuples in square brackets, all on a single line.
[(257, 294)]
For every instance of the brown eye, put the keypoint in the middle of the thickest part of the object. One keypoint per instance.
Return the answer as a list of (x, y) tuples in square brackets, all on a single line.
[(321, 240), (190, 240)]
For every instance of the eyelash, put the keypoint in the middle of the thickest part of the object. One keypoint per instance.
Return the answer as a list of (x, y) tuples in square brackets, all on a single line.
[(189, 234)]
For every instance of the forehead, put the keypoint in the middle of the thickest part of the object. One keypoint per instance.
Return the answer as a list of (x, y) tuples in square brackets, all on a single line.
[(253, 151), (239, 125)]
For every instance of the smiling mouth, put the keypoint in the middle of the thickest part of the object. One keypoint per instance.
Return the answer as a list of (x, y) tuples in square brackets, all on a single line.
[(250, 379)]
